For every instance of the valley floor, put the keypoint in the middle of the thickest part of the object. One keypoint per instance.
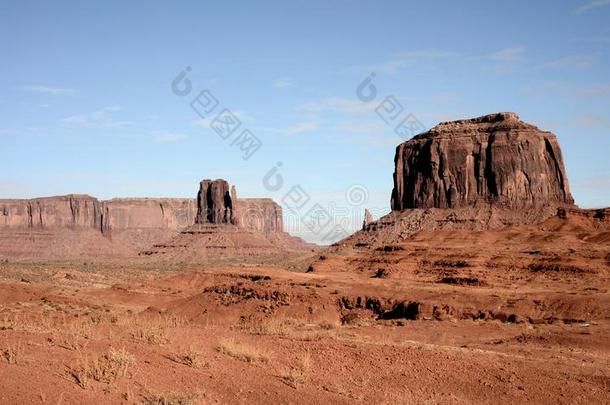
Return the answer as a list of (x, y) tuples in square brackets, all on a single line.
[(158, 333)]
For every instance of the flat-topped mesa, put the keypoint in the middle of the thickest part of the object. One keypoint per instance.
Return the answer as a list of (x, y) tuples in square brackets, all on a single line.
[(69, 211), (494, 159), (215, 202)]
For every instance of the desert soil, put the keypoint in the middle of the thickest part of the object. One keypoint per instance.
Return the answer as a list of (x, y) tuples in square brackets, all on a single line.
[(486, 318)]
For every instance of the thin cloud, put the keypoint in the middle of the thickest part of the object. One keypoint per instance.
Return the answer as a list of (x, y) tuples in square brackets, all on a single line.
[(511, 54), (98, 119), (295, 129), (283, 82), (592, 5), (336, 104), (593, 182), (9, 131), (299, 128), (593, 121), (571, 62), (594, 90), (168, 137), (408, 59), (55, 91), (350, 127)]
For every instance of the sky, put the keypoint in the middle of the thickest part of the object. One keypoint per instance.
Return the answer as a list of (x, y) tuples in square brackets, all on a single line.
[(92, 99)]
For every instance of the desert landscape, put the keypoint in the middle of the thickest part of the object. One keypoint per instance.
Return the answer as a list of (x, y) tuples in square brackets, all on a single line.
[(304, 202), (484, 284)]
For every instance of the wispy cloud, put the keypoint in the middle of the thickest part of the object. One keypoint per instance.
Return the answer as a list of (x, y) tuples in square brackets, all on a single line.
[(350, 127), (593, 121), (337, 104), (55, 91), (300, 127), (592, 5), (593, 182), (9, 131), (167, 136), (511, 54), (405, 60), (571, 62), (594, 90), (98, 119), (19, 131), (283, 82), (295, 129)]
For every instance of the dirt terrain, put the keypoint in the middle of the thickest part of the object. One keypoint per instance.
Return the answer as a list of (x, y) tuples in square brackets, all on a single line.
[(519, 315)]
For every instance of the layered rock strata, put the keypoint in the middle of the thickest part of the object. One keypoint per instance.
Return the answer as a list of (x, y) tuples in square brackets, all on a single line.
[(494, 159)]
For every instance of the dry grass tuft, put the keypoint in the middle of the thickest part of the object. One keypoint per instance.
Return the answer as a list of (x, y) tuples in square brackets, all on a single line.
[(299, 373), (153, 329), (191, 358), (242, 351), (107, 368), (170, 398), (12, 353)]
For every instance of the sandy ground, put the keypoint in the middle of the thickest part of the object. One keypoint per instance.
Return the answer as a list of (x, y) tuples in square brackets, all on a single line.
[(159, 333)]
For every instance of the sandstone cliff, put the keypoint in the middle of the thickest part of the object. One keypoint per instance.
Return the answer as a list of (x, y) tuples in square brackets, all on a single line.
[(215, 203), (259, 214), (70, 211), (494, 159)]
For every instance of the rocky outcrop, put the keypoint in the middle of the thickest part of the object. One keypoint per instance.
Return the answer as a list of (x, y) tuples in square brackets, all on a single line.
[(173, 214), (368, 218), (215, 202), (494, 159), (259, 214), (70, 211)]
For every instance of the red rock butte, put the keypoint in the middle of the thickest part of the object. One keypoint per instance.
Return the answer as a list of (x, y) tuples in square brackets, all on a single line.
[(494, 159)]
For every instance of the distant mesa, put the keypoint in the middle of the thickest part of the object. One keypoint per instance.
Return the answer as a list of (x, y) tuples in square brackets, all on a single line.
[(128, 225)]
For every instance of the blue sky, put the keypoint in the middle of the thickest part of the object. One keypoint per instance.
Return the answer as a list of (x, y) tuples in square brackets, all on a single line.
[(86, 103)]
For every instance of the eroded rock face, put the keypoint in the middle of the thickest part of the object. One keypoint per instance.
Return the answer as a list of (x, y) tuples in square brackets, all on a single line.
[(495, 159), (368, 218), (70, 211), (215, 203), (259, 214)]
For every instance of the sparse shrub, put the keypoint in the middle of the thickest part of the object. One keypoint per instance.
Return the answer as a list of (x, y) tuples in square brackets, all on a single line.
[(191, 358), (150, 335), (472, 281), (276, 326), (242, 351), (105, 369), (12, 353), (298, 374), (170, 398), (451, 263), (556, 268), (153, 330), (327, 325), (390, 248), (352, 318)]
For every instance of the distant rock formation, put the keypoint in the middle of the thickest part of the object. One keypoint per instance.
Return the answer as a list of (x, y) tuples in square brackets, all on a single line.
[(215, 203), (368, 218), (494, 159), (70, 211), (259, 214)]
